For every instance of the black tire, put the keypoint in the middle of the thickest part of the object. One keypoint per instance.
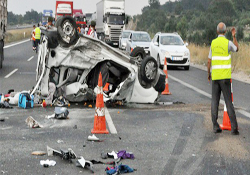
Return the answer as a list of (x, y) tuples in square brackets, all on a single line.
[(1, 53), (160, 86), (67, 34), (138, 51), (148, 75), (158, 61), (186, 67)]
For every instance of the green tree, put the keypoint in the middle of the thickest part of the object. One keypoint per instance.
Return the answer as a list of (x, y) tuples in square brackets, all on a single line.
[(154, 4)]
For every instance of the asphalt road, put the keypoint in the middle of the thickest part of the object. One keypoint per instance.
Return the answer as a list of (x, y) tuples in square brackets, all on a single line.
[(165, 139)]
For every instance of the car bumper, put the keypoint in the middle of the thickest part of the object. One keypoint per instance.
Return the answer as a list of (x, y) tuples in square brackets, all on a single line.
[(184, 62)]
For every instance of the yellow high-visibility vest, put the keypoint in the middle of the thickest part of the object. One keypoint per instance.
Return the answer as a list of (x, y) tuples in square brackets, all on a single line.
[(37, 33), (221, 59)]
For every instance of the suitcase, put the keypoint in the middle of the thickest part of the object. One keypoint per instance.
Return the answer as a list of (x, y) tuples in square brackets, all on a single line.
[(26, 101)]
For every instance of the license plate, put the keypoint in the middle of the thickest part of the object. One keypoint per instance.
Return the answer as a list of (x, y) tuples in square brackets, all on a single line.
[(115, 44), (177, 58)]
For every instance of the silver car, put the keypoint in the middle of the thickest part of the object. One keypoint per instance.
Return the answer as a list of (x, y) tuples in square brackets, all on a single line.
[(138, 39), (123, 39)]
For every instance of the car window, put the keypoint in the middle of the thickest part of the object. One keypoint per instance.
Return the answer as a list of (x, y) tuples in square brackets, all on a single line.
[(171, 40), (125, 34), (143, 37), (155, 38)]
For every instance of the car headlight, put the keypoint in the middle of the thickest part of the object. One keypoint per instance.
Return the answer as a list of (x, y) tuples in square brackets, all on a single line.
[(124, 44), (186, 53), (165, 53)]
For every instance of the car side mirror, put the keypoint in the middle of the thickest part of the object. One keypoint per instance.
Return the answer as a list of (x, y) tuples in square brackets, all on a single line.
[(156, 43), (186, 44)]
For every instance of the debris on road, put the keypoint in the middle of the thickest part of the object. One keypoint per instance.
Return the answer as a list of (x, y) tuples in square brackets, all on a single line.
[(2, 120), (64, 154), (5, 104), (32, 123), (26, 101), (59, 141), (38, 153), (85, 164), (120, 169), (93, 138), (125, 155), (47, 163), (61, 113)]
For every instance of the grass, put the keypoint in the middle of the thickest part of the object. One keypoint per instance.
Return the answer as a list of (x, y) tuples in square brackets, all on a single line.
[(17, 35), (240, 60)]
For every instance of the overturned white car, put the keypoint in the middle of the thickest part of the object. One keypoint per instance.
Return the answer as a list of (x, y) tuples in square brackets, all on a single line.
[(72, 62)]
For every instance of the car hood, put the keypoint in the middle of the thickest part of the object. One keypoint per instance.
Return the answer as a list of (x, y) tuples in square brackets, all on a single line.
[(141, 44), (175, 49)]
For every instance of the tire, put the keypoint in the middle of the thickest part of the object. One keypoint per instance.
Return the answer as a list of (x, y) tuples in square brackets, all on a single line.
[(1, 53), (138, 51), (67, 34), (160, 86), (148, 69), (158, 61), (186, 67)]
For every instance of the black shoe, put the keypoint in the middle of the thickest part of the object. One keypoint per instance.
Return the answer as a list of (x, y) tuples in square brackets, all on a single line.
[(235, 132), (217, 130)]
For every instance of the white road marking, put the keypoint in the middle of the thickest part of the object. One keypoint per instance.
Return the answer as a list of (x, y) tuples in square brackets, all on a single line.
[(243, 112), (5, 47), (110, 122), (30, 58), (7, 76)]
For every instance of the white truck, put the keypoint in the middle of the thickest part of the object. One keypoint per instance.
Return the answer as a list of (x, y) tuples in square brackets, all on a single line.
[(110, 20), (3, 26)]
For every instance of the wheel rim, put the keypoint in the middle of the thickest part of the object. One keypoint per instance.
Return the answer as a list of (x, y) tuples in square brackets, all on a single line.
[(150, 70)]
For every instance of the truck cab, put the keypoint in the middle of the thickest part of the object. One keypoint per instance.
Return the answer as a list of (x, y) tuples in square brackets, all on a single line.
[(110, 20), (64, 8)]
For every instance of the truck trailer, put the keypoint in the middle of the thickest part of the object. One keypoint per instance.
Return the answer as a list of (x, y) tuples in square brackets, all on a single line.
[(3, 26), (64, 8), (110, 20)]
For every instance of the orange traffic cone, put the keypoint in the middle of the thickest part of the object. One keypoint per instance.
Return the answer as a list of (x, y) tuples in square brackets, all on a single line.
[(165, 70), (44, 104), (226, 124), (99, 121), (106, 87)]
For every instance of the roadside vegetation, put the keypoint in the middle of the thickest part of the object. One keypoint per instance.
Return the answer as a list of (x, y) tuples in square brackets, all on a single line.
[(30, 17), (196, 21), (240, 60), (17, 35)]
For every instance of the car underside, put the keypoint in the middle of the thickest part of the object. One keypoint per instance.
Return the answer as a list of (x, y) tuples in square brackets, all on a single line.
[(72, 62)]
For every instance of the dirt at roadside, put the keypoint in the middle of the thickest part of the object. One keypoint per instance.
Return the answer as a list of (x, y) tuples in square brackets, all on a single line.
[(240, 76)]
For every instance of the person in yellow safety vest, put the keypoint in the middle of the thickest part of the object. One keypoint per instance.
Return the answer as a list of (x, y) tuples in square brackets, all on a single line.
[(33, 38), (220, 60), (37, 36)]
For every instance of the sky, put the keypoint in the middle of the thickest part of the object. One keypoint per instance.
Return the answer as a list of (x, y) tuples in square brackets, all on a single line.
[(132, 7)]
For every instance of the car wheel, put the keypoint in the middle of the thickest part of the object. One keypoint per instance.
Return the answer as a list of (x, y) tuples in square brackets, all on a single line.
[(158, 61), (1, 54), (66, 31), (138, 52), (149, 69), (186, 67), (160, 86)]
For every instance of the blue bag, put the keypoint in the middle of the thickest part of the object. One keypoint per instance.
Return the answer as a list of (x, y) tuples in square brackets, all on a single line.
[(26, 101)]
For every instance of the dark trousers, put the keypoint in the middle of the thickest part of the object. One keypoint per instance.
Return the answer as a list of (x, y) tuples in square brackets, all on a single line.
[(223, 86), (37, 44)]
